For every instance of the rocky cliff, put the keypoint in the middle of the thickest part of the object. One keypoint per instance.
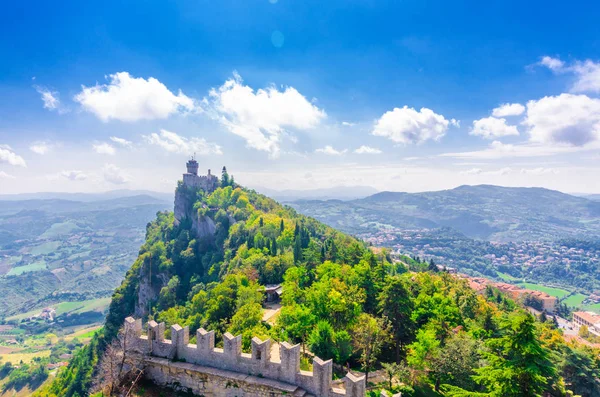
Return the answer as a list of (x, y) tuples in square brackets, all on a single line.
[(185, 197)]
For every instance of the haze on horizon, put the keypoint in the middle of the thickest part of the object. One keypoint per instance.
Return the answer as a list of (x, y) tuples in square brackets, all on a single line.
[(299, 95)]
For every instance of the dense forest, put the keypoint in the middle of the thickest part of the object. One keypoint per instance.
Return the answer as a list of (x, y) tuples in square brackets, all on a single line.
[(426, 329)]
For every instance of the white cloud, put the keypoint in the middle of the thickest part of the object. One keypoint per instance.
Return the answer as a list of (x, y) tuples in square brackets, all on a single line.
[(73, 175), (367, 150), (554, 64), (104, 148), (348, 124), (4, 175), (479, 171), (261, 117), (114, 174), (330, 151), (508, 109), (8, 156), (50, 99), (121, 141), (588, 76), (472, 171), (499, 150), (172, 142), (406, 125), (539, 171), (127, 98), (491, 127), (587, 73), (564, 119), (40, 147)]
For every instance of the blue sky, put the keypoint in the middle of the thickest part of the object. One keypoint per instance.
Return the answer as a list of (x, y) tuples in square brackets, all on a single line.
[(398, 95)]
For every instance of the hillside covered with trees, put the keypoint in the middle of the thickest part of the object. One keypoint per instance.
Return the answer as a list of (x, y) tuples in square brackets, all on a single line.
[(427, 330)]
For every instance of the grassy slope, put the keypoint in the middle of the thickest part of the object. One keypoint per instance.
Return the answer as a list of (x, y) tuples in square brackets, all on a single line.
[(557, 292)]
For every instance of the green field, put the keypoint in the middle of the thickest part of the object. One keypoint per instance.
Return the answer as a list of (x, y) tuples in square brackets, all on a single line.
[(79, 255), (83, 306), (593, 307), (14, 259), (507, 277), (59, 229), (25, 357), (557, 292), (575, 300), (45, 248), (68, 307), (86, 332), (32, 267)]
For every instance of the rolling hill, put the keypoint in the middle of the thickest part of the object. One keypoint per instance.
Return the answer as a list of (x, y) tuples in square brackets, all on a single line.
[(484, 212), (54, 250)]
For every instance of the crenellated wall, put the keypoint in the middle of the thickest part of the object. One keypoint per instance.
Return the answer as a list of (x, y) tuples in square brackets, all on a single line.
[(232, 363)]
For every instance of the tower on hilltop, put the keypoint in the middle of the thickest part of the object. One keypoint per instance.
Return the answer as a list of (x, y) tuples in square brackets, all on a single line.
[(192, 166), (191, 179)]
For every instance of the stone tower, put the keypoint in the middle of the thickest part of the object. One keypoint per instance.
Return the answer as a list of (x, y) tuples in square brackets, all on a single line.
[(192, 166)]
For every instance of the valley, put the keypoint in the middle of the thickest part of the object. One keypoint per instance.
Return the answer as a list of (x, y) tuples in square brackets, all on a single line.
[(511, 234)]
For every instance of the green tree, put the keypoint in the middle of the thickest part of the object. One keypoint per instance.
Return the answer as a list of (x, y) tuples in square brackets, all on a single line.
[(395, 371), (456, 362), (296, 322), (224, 177), (368, 337), (245, 322), (433, 267), (321, 340), (423, 350), (343, 347), (168, 294), (581, 371), (518, 365), (395, 303)]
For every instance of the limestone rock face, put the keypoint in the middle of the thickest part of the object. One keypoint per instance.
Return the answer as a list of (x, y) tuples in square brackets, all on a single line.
[(183, 206), (203, 226), (147, 292)]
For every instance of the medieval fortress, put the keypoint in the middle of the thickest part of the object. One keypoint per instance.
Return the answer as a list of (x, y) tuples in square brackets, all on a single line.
[(208, 182), (271, 370), (184, 206), (227, 372)]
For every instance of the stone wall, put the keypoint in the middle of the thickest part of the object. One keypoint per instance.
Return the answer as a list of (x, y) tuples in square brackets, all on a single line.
[(213, 382), (208, 183), (232, 363)]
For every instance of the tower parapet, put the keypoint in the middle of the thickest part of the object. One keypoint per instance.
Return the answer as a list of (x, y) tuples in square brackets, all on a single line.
[(192, 166), (231, 359)]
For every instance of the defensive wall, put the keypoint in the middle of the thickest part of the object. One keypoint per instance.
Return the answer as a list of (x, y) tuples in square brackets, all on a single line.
[(228, 372)]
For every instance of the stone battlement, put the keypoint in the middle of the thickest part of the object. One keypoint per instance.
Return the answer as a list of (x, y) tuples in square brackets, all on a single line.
[(208, 182), (231, 359)]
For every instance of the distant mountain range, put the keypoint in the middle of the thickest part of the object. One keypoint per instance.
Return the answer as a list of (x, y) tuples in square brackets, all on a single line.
[(86, 197), (484, 212), (56, 205), (332, 193)]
